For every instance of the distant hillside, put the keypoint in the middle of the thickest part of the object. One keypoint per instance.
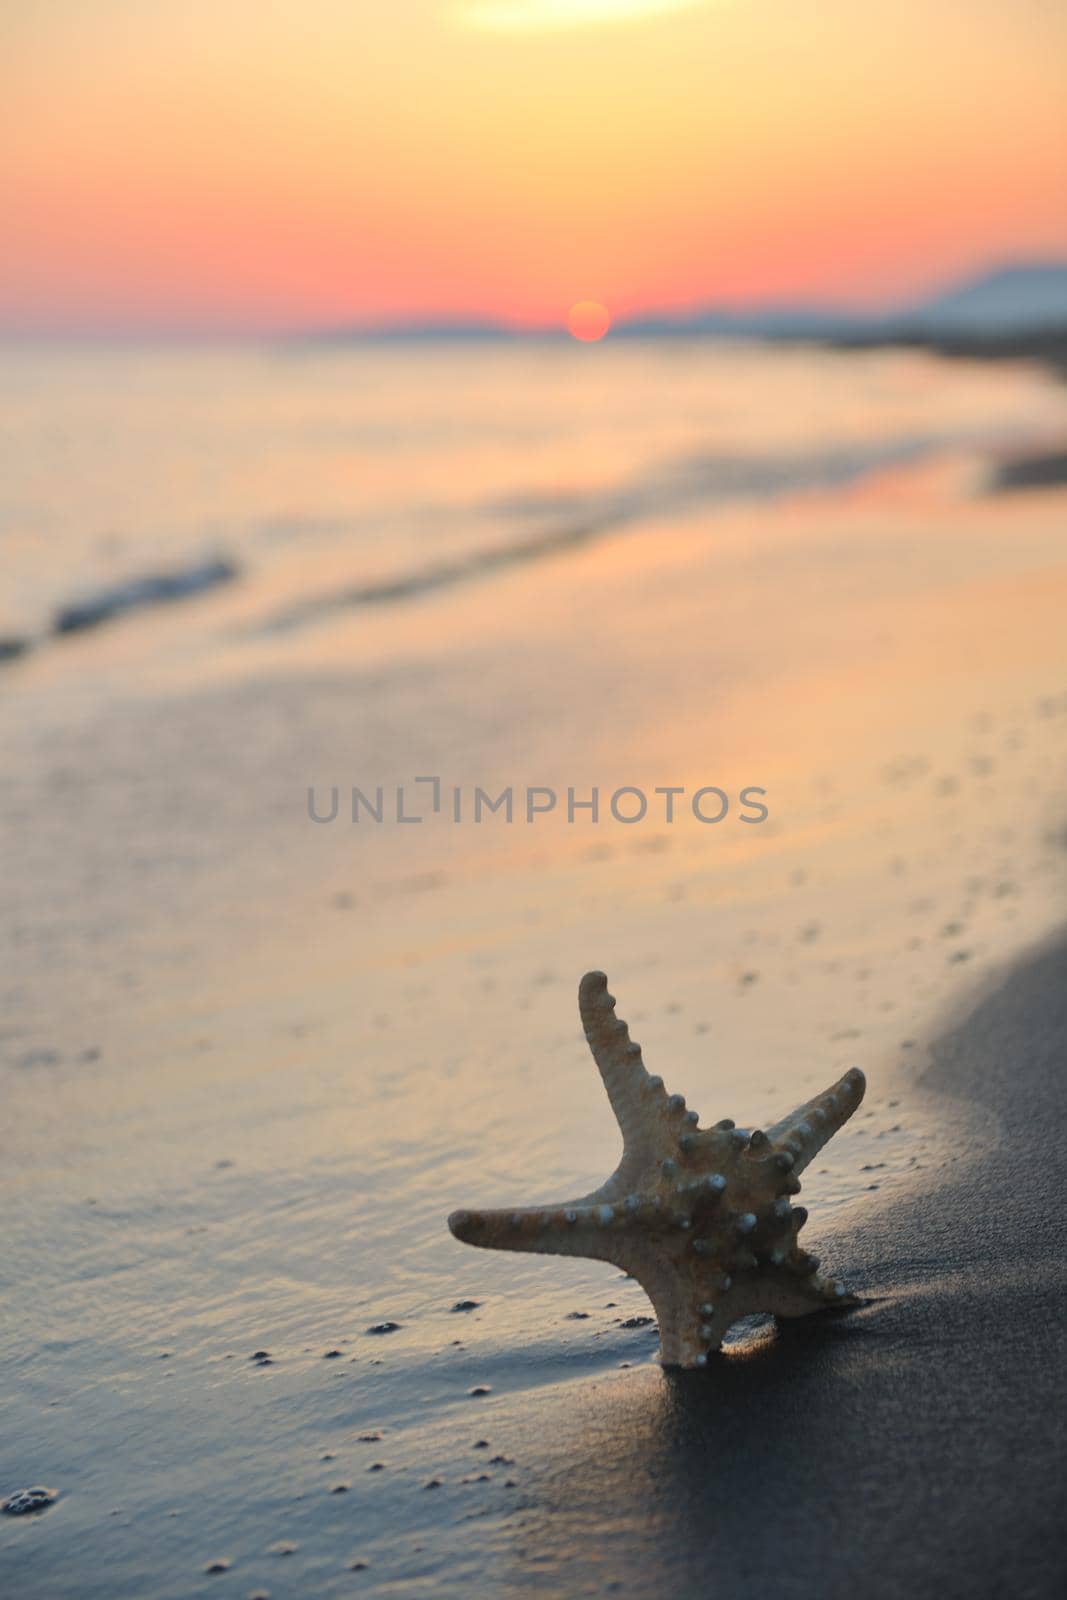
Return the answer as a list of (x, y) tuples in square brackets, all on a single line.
[(1027, 301), (410, 332), (756, 322), (1013, 300), (1010, 301)]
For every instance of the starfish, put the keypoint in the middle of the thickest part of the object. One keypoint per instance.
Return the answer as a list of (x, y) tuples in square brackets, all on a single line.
[(701, 1217)]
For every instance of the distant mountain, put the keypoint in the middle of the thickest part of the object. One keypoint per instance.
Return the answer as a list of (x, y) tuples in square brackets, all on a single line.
[(1012, 300), (758, 322), (1026, 300), (410, 332)]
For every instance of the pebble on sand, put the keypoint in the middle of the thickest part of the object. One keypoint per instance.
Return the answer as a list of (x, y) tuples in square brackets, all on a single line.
[(25, 1501), (383, 1327)]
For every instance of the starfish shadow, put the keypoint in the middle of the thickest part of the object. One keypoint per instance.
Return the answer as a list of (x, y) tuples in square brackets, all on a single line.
[(670, 1468)]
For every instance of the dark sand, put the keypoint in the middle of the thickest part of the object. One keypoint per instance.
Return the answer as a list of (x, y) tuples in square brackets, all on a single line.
[(915, 1447)]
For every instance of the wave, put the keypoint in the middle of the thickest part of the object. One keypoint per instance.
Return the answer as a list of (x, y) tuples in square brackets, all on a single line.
[(152, 589), (571, 520)]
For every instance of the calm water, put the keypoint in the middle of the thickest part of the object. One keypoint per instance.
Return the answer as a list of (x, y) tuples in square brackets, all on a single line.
[(331, 476)]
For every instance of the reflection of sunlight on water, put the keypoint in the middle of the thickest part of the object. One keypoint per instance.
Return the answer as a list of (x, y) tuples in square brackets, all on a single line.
[(312, 460)]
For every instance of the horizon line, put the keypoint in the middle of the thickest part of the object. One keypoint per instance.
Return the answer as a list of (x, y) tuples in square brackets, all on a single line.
[(652, 320)]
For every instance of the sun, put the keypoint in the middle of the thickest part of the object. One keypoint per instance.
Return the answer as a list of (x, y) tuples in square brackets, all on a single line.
[(588, 320)]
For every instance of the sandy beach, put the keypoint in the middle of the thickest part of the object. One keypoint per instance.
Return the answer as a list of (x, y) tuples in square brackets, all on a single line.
[(250, 1062)]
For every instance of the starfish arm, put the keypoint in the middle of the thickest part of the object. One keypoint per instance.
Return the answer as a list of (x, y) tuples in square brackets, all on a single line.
[(804, 1131), (576, 1228), (630, 1088)]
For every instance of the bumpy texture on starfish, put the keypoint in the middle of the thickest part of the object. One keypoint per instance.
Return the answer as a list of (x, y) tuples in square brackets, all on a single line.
[(701, 1217)]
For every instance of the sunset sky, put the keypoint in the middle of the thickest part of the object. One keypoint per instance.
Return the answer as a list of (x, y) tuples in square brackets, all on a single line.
[(240, 164)]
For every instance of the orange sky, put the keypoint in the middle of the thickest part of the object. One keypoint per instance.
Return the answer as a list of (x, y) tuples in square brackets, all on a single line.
[(237, 163)]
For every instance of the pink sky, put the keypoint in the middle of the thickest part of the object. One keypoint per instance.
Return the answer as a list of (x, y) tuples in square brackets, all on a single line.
[(225, 164)]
